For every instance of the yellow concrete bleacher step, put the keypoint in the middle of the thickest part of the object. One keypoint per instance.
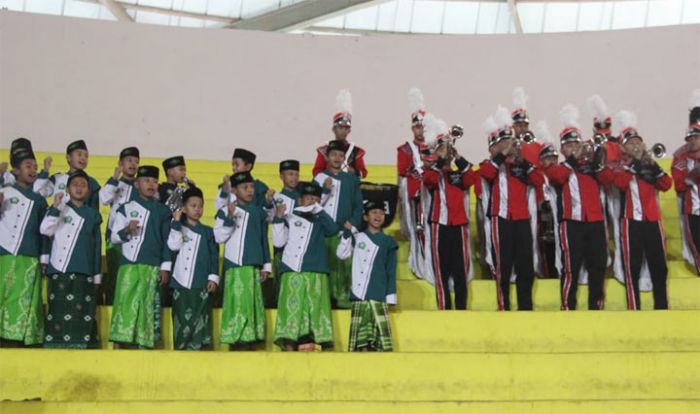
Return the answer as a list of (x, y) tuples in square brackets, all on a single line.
[(403, 377), (337, 407), (521, 332), (683, 294), (676, 269)]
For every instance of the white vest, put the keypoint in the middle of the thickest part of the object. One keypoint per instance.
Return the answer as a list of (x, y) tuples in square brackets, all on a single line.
[(121, 196), (15, 212), (288, 202), (233, 249), (329, 201), (363, 257), (187, 257), (64, 240), (134, 211), (297, 242)]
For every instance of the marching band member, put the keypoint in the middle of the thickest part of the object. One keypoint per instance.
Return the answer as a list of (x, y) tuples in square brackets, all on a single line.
[(410, 170), (512, 179), (686, 176), (582, 229), (354, 161), (642, 234), (448, 214)]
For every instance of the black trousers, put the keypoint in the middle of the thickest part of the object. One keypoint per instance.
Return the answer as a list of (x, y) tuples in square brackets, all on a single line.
[(644, 240), (512, 248), (450, 261), (546, 242), (583, 243), (692, 235)]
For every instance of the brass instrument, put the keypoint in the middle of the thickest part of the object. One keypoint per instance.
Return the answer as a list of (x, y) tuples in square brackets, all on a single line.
[(175, 202), (526, 137), (456, 131), (443, 152), (587, 153), (516, 151), (599, 139), (658, 150)]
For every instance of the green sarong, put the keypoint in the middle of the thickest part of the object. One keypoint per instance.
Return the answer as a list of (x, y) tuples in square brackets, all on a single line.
[(243, 313), (134, 318), (113, 254), (341, 274), (191, 319), (304, 310), (370, 327), (71, 321), (21, 313)]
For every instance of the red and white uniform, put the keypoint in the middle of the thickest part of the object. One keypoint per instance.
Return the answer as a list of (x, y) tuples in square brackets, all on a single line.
[(531, 152), (410, 166), (513, 229), (580, 192), (582, 235), (410, 172), (448, 215), (642, 238), (683, 162), (613, 151), (640, 197), (448, 205), (509, 194), (354, 158), (686, 188)]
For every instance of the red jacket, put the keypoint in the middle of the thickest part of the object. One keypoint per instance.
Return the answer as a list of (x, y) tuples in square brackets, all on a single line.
[(531, 152), (640, 201), (683, 163), (580, 192), (356, 161), (613, 152), (450, 201), (406, 168), (508, 193)]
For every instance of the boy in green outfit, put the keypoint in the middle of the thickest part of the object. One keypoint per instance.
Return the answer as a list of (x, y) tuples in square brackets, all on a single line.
[(289, 196), (74, 267), (241, 227), (22, 248), (373, 280), (243, 161), (141, 227), (195, 273), (118, 189), (304, 311), (77, 158), (342, 200)]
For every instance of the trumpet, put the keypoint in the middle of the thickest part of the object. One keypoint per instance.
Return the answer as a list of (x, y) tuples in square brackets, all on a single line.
[(443, 152), (174, 202), (657, 150), (526, 137), (456, 131), (516, 151), (599, 139)]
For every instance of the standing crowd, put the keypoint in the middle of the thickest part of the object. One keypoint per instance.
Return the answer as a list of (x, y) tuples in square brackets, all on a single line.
[(535, 215)]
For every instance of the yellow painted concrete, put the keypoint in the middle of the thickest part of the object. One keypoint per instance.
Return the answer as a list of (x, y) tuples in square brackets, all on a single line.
[(683, 293), (500, 407), (268, 376), (434, 331)]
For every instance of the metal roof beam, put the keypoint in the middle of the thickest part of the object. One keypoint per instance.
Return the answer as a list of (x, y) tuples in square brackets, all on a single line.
[(300, 15)]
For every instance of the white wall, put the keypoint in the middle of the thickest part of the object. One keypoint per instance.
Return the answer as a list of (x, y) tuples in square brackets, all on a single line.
[(203, 92)]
